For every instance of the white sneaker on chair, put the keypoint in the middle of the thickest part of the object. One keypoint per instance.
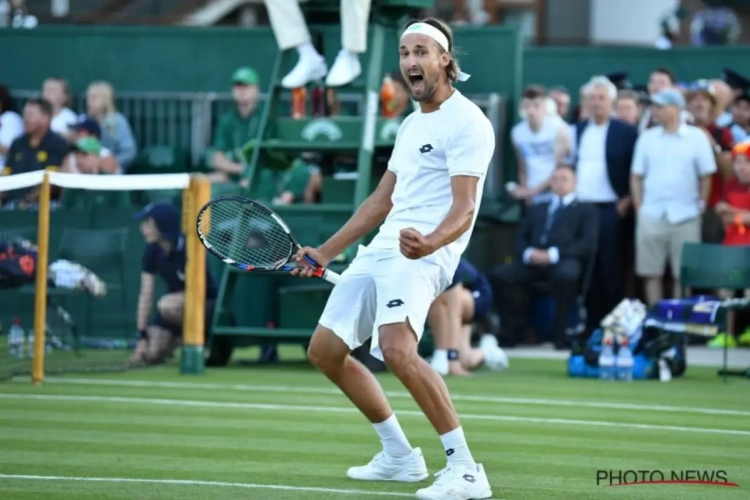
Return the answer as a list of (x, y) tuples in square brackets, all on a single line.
[(385, 467), (308, 69), (457, 482), (346, 68)]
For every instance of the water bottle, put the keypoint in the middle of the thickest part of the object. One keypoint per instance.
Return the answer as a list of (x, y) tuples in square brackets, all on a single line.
[(607, 363), (625, 363), (16, 337)]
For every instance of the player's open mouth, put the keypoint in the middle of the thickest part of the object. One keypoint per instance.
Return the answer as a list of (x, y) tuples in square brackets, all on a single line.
[(417, 82)]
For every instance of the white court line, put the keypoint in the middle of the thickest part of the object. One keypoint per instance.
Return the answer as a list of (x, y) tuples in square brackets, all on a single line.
[(394, 394), (185, 482), (332, 409)]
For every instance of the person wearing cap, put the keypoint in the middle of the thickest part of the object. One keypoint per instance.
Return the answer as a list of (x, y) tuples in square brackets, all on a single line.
[(164, 256), (101, 160), (236, 127), (291, 32), (740, 125), (670, 185), (660, 79), (703, 106)]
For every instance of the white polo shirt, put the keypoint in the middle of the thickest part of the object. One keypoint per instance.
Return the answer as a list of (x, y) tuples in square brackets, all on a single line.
[(430, 149), (672, 165)]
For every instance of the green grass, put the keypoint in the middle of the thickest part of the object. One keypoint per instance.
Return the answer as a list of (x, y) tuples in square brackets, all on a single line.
[(284, 432)]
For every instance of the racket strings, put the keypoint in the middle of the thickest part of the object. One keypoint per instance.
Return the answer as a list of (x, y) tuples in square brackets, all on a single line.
[(248, 234)]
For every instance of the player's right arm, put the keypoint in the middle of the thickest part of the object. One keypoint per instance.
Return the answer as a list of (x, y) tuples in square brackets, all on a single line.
[(368, 216)]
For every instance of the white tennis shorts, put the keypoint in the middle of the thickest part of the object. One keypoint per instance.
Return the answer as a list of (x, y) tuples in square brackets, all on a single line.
[(381, 287)]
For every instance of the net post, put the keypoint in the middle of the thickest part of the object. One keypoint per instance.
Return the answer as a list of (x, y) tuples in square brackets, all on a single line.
[(197, 195), (40, 293)]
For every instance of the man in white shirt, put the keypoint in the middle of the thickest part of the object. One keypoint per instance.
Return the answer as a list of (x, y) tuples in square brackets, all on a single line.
[(670, 185), (541, 141), (427, 202), (604, 152)]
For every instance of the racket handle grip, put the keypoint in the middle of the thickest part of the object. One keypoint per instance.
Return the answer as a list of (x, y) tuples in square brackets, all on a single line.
[(327, 275)]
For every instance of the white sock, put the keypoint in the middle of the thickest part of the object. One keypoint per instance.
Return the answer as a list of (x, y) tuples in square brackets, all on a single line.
[(456, 448), (393, 438), (307, 51)]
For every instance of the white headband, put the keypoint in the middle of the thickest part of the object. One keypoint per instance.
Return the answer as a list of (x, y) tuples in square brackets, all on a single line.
[(438, 36)]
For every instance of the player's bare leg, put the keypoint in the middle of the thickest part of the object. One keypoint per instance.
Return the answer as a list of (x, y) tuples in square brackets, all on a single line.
[(444, 319), (398, 461)]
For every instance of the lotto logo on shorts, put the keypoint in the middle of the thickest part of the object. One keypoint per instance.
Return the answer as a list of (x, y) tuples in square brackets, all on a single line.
[(394, 303)]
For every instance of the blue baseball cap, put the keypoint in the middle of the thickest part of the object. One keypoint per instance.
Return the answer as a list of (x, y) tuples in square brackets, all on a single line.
[(87, 124), (669, 97), (166, 218)]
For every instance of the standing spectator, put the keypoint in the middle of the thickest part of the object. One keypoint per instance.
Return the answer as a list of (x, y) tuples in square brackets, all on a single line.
[(116, 133), (561, 96), (38, 148), (628, 107), (740, 125), (602, 162), (541, 142), (290, 29), (670, 184), (57, 92), (582, 111), (660, 79), (11, 124), (714, 25), (702, 104), (236, 128)]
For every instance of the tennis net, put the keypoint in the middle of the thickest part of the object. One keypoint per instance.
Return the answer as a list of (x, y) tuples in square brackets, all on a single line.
[(71, 254)]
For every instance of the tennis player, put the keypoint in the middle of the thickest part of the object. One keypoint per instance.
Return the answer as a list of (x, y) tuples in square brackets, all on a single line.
[(427, 203)]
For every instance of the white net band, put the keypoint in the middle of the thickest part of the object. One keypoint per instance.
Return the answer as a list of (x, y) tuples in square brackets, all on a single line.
[(96, 182)]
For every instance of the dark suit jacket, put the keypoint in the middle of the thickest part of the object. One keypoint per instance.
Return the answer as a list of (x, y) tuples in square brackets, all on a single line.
[(619, 149), (575, 233)]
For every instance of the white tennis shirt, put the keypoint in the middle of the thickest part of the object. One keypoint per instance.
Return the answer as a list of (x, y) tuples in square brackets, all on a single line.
[(430, 148)]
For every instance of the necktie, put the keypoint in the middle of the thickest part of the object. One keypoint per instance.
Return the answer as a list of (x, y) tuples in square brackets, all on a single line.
[(555, 209)]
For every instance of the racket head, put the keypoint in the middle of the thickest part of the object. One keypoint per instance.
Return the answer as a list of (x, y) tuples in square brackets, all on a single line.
[(246, 234)]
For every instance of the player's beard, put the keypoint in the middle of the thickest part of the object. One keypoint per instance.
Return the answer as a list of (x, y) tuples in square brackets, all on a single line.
[(427, 91)]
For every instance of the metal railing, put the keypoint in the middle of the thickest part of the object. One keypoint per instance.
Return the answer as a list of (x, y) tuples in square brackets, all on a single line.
[(187, 120)]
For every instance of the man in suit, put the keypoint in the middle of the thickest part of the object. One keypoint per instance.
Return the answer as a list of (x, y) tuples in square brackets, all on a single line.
[(604, 152), (553, 245)]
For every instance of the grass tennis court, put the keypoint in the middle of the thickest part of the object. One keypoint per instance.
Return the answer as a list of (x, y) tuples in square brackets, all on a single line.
[(283, 432)]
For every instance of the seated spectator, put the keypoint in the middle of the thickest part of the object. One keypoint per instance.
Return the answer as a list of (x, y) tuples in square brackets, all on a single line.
[(102, 161), (236, 128), (86, 157), (451, 317), (11, 124), (164, 256), (553, 245), (704, 107), (38, 148), (116, 134), (541, 141), (57, 92), (290, 30), (627, 107), (734, 210), (297, 184), (670, 185)]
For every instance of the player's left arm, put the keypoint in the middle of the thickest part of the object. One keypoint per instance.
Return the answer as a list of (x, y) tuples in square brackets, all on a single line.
[(468, 155)]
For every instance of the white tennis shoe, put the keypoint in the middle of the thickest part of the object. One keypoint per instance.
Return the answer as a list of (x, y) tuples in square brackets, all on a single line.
[(458, 482), (385, 467)]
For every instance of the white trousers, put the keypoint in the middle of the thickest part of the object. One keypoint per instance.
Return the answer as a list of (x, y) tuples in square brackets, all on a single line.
[(290, 28)]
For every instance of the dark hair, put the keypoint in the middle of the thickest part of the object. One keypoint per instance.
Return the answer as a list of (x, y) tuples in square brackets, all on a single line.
[(665, 71), (452, 70), (6, 100), (534, 92), (43, 104)]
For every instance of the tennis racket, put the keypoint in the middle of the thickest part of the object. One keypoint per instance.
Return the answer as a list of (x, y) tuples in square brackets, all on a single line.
[(250, 236)]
